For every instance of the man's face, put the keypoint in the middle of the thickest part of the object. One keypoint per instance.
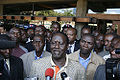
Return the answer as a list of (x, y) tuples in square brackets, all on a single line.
[(86, 44), (15, 34), (113, 54), (99, 41), (108, 39), (39, 31), (55, 28), (65, 30), (23, 36), (71, 35), (38, 43), (49, 35), (30, 32), (2, 30), (5, 53), (58, 46), (96, 33)]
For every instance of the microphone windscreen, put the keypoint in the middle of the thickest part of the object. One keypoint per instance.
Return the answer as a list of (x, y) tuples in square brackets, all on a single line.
[(63, 75), (5, 44), (49, 72)]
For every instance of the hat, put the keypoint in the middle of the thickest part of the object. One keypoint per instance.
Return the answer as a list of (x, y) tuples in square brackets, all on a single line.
[(67, 26)]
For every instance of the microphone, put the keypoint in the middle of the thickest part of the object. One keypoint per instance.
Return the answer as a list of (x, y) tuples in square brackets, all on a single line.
[(63, 75), (49, 73), (5, 44)]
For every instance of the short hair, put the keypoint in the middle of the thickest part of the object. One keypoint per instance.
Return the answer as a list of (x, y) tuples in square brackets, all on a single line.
[(40, 36), (113, 34), (73, 29), (67, 40), (44, 29), (15, 28), (56, 23), (85, 27), (90, 35)]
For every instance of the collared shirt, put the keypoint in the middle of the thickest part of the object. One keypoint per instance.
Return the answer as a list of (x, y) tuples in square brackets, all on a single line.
[(72, 47), (84, 62), (29, 40), (62, 69), (36, 58), (8, 63)]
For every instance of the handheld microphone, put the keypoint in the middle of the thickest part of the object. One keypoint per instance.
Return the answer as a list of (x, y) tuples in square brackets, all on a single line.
[(63, 75), (49, 73)]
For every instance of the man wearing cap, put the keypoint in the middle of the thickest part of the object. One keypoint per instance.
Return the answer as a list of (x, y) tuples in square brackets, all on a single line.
[(11, 67)]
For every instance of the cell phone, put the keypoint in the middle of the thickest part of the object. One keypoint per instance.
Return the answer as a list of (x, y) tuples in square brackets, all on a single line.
[(117, 51)]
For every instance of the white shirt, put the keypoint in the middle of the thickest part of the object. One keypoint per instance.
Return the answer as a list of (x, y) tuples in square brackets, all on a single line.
[(106, 57), (72, 47), (8, 63)]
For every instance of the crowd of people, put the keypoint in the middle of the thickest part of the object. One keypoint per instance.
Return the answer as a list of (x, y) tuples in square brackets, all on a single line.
[(38, 49)]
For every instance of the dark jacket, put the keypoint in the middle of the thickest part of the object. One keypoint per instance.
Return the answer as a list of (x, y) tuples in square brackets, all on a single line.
[(16, 69), (76, 47)]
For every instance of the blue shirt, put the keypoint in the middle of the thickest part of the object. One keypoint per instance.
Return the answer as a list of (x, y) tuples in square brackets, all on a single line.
[(36, 58), (84, 62)]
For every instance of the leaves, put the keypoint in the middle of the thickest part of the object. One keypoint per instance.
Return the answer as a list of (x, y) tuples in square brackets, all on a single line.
[(54, 13)]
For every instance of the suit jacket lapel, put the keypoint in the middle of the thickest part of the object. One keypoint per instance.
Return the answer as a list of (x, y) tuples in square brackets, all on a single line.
[(12, 66), (77, 45)]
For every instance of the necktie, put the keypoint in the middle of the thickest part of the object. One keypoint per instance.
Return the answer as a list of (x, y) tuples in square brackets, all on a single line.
[(6, 67)]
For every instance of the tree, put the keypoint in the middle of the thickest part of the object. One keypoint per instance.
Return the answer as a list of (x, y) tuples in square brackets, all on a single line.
[(54, 13)]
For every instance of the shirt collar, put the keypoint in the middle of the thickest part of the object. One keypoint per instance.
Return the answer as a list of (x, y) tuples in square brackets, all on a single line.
[(36, 55), (92, 58), (86, 59), (66, 63), (72, 44)]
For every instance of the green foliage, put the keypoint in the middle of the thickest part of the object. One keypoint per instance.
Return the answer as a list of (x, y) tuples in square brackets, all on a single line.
[(54, 13)]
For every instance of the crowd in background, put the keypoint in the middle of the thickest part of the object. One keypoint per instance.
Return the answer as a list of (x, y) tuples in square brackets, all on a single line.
[(39, 48)]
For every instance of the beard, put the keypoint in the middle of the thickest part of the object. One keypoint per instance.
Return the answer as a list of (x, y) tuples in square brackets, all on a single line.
[(85, 52)]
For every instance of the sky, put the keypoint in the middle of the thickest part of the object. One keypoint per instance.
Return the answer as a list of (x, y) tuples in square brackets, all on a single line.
[(109, 11)]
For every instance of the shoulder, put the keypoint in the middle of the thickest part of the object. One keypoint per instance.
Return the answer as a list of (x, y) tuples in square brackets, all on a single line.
[(74, 55), (101, 67), (15, 59), (100, 73), (24, 56), (42, 61), (76, 65), (96, 56), (98, 59)]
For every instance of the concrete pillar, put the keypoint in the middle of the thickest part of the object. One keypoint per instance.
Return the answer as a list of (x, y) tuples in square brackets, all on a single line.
[(1, 9), (81, 10)]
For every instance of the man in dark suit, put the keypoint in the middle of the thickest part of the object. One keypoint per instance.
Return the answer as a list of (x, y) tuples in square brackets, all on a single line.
[(11, 67), (73, 42)]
